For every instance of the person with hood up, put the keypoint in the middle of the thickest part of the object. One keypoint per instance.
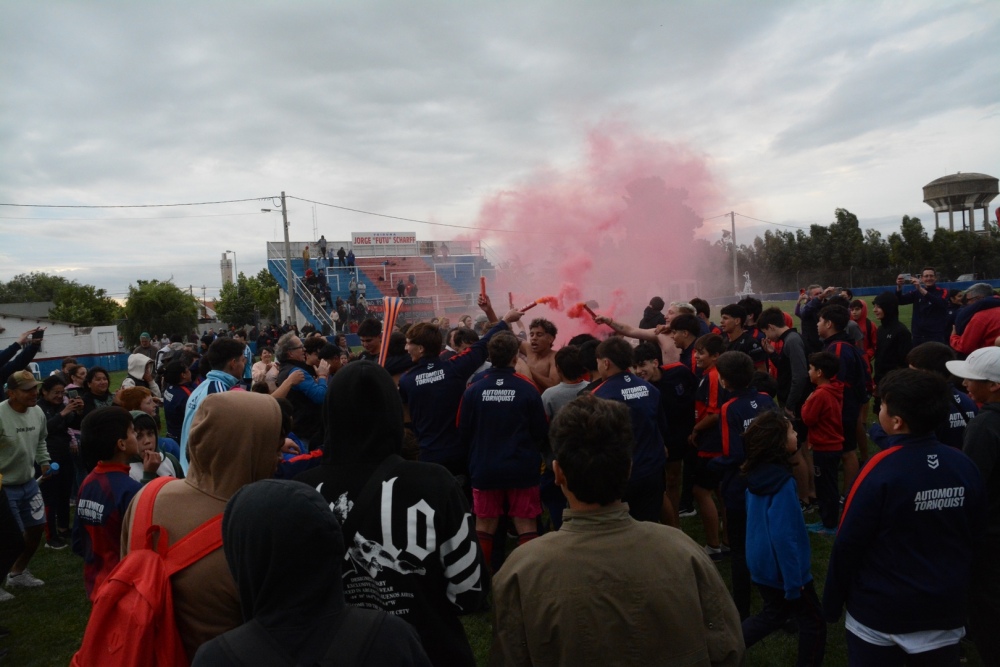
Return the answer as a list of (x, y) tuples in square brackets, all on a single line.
[(413, 549), (652, 315), (893, 340), (140, 374), (234, 439), (272, 522)]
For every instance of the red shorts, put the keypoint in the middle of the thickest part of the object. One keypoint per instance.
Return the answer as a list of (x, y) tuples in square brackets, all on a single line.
[(522, 503)]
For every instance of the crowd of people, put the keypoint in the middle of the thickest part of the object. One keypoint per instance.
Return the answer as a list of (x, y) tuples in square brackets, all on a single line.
[(417, 477)]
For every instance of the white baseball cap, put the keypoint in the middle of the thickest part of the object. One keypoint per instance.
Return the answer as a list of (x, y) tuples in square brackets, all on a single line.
[(983, 364)]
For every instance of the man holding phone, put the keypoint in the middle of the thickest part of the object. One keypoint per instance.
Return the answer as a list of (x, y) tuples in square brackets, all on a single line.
[(930, 306), (28, 345)]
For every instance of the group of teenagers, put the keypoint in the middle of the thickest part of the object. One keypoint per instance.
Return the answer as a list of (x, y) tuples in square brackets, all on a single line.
[(744, 424)]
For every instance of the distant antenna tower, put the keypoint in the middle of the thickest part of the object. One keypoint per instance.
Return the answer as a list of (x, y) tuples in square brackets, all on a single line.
[(315, 225)]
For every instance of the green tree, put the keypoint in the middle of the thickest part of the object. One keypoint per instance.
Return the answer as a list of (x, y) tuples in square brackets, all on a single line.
[(157, 307), (910, 248), (265, 291), (84, 305), (236, 304)]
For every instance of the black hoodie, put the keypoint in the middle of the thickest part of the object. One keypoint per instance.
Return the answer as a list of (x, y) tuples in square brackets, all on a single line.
[(651, 317), (423, 563), (893, 340), (266, 526)]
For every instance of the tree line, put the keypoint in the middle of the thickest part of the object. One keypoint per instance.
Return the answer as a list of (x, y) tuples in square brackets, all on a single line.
[(153, 306), (843, 254)]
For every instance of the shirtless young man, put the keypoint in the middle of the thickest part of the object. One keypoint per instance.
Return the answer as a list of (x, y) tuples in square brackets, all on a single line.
[(541, 357)]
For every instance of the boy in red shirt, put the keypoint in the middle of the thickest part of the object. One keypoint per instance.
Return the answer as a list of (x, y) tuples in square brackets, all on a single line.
[(107, 443), (821, 413)]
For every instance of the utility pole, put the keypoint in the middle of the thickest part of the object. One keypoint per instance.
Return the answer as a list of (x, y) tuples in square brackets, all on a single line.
[(736, 271), (289, 276)]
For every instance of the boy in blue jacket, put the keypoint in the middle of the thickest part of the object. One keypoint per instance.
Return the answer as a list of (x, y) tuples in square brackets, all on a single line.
[(735, 374), (778, 553), (902, 557)]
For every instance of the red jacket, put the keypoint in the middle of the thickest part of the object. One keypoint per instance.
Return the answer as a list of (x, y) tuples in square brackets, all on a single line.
[(821, 413), (981, 331)]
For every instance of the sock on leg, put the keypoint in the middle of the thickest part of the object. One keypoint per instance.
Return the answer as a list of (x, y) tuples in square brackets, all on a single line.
[(526, 537), (486, 544)]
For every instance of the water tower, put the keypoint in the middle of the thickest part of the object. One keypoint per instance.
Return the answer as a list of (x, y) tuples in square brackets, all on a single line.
[(961, 192)]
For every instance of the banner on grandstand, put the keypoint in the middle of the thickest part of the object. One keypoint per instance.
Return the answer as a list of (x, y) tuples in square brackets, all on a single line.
[(383, 238)]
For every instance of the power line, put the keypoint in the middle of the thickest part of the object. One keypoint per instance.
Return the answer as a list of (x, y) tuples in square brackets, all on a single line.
[(166, 217), (200, 203), (768, 222), (420, 222)]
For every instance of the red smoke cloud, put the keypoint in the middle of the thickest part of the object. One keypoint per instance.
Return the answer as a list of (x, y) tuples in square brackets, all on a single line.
[(618, 228)]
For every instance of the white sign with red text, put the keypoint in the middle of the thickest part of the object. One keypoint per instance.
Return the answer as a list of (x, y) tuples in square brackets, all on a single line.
[(383, 238)]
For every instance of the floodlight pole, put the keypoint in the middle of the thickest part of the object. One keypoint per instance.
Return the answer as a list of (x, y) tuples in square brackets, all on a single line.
[(736, 271), (289, 277)]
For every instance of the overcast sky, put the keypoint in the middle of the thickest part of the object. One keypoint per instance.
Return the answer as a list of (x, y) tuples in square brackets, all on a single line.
[(429, 110)]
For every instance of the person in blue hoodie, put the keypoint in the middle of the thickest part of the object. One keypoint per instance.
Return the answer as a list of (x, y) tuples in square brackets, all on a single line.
[(902, 558), (778, 553), (225, 357)]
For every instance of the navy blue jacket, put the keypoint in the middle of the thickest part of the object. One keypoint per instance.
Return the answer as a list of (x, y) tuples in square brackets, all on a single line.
[(778, 552), (687, 358), (502, 424), (175, 398), (951, 433), (903, 552), (736, 415), (432, 390), (809, 317), (648, 422), (677, 385), (853, 373), (930, 314)]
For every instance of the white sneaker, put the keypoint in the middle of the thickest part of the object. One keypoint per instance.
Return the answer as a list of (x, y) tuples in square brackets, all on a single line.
[(715, 553), (4, 595), (25, 579)]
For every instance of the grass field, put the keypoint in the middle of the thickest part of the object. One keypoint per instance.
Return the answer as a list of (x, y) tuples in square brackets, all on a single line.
[(47, 623)]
